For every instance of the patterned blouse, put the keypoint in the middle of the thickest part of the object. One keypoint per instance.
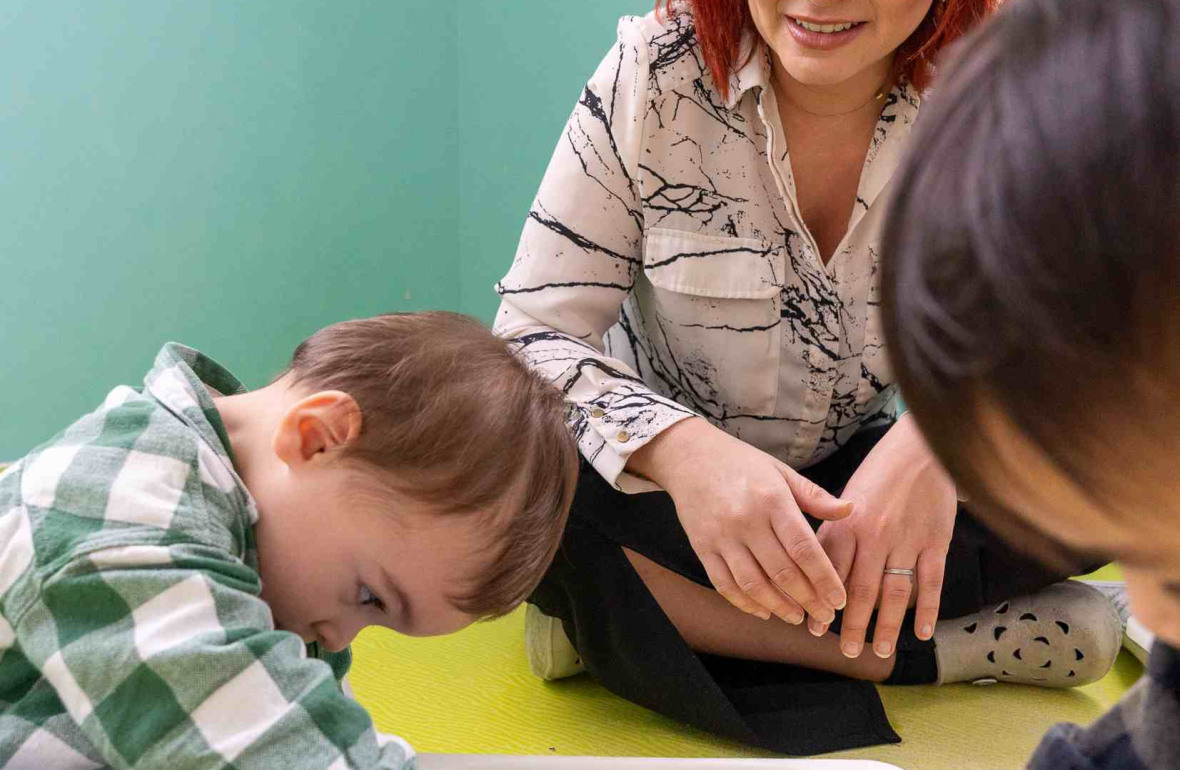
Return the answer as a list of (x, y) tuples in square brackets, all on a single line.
[(664, 269)]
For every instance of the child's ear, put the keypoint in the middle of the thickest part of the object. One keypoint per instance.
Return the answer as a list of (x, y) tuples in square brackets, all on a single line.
[(316, 424)]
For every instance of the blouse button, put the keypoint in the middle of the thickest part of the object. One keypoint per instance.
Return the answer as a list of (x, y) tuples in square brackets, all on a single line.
[(623, 436), (597, 413)]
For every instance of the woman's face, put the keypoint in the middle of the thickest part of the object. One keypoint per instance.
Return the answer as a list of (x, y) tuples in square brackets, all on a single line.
[(860, 40)]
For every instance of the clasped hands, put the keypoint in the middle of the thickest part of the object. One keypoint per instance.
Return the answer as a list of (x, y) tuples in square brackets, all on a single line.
[(742, 512)]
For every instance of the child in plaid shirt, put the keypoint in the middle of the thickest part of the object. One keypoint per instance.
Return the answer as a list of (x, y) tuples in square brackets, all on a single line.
[(182, 570)]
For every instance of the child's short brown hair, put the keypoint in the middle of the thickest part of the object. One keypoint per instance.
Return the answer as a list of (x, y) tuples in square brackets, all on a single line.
[(462, 425)]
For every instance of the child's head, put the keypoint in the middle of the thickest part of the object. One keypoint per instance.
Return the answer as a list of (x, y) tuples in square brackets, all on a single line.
[(1031, 284), (410, 471)]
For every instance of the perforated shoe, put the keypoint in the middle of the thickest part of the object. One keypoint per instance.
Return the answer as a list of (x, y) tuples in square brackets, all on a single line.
[(1066, 635), (1136, 638)]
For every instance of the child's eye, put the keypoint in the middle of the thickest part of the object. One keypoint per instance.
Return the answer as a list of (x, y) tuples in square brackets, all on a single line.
[(370, 598)]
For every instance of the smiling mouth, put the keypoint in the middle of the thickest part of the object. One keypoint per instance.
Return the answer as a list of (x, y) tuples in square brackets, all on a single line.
[(825, 29)]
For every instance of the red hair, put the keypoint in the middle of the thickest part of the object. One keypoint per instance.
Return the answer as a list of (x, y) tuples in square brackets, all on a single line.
[(720, 25)]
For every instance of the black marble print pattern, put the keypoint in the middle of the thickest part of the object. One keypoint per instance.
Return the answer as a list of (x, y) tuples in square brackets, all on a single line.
[(662, 270)]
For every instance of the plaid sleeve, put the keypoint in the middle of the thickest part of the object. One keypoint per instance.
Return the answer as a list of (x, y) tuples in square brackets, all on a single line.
[(165, 651)]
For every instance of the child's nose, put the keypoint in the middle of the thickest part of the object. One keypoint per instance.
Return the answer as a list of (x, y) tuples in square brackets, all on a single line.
[(339, 634)]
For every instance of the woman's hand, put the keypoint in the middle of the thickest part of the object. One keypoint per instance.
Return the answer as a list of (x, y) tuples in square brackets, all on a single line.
[(740, 508), (904, 517)]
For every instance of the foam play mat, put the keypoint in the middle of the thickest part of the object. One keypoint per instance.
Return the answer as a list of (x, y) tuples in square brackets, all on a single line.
[(472, 693), (518, 762)]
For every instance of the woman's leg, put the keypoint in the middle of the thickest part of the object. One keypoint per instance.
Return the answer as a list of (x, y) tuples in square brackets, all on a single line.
[(710, 624), (617, 630), (982, 570)]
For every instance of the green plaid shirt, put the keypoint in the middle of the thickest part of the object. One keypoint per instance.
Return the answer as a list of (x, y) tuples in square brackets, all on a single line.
[(131, 629)]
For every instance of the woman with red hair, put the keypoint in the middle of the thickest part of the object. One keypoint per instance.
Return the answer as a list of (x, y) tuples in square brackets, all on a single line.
[(698, 271)]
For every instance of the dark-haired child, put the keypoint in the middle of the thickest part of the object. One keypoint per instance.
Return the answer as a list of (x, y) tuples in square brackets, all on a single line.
[(1032, 306)]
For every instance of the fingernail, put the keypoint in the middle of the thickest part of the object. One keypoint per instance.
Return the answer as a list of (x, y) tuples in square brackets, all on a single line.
[(851, 650), (837, 600), (927, 631), (793, 619), (883, 649), (764, 615), (819, 630)]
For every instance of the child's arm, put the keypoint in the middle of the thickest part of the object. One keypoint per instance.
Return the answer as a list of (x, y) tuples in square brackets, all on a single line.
[(165, 656)]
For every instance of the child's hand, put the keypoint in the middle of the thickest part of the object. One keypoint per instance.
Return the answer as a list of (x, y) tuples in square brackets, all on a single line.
[(740, 508)]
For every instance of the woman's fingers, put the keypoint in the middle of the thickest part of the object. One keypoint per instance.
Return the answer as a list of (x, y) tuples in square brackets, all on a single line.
[(812, 498), (801, 543), (741, 582), (790, 579), (863, 587), (723, 581), (752, 580), (895, 599), (802, 547), (896, 592), (839, 543), (931, 568)]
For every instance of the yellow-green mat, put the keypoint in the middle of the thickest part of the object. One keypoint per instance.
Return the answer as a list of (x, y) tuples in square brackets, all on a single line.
[(472, 693)]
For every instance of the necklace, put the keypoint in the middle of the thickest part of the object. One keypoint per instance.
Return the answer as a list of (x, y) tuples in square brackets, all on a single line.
[(877, 97)]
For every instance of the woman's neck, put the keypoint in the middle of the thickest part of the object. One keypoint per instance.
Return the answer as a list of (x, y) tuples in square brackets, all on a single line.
[(838, 99)]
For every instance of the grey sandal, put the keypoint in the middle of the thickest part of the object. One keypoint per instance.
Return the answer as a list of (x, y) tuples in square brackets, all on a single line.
[(1066, 635)]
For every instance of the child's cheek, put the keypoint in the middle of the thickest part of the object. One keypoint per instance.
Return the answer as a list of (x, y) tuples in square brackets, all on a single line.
[(1155, 607)]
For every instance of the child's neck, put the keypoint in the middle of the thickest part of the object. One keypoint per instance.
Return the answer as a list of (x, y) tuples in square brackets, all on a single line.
[(250, 420)]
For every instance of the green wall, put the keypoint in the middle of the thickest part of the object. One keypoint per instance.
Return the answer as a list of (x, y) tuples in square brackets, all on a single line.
[(234, 174)]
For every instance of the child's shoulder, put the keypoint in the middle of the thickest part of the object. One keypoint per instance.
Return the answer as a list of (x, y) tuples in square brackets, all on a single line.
[(130, 473)]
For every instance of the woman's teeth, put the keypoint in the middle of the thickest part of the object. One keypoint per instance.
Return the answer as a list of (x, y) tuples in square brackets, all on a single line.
[(826, 29)]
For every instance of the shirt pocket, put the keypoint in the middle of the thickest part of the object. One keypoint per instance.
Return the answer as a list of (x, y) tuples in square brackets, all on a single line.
[(715, 321)]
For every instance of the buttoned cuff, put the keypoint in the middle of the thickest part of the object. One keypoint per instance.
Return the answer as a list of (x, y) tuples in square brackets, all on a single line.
[(616, 425)]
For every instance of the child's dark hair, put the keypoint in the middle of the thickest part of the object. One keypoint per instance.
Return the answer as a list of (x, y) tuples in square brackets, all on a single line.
[(1031, 263), (462, 425)]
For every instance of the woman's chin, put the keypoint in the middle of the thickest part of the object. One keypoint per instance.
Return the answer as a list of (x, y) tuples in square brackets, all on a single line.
[(821, 72), (815, 73)]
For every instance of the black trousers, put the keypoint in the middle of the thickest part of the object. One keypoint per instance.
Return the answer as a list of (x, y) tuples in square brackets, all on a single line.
[(631, 647)]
